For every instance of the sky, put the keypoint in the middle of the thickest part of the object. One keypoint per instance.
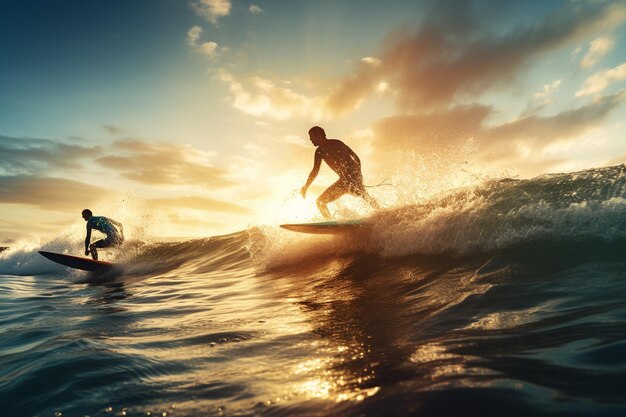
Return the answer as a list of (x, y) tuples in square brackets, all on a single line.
[(189, 118)]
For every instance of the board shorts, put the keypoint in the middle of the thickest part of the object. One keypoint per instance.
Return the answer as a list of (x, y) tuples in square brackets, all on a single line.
[(110, 240)]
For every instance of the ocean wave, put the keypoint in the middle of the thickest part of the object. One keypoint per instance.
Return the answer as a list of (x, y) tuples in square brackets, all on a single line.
[(583, 208)]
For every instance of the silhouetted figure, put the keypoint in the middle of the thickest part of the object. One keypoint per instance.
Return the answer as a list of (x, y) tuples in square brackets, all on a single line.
[(111, 228), (341, 159)]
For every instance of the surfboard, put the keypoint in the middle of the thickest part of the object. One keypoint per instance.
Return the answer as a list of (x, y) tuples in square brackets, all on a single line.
[(84, 264), (325, 228)]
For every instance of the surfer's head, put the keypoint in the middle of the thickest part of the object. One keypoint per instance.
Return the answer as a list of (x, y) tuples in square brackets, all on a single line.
[(87, 214), (317, 135)]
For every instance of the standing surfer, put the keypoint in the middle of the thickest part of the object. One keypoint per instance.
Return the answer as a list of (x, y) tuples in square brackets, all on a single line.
[(112, 229), (341, 159)]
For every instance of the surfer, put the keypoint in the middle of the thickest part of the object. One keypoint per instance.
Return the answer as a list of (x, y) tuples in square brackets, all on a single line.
[(341, 159), (114, 231)]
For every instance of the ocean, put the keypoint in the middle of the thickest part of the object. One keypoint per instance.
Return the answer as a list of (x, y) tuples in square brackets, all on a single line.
[(507, 298)]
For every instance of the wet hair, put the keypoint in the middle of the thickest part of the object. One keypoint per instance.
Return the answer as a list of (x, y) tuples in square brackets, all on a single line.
[(317, 130), (87, 212)]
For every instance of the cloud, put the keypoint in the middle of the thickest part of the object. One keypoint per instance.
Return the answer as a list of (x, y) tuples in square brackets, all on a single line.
[(113, 130), (47, 193), (520, 142), (258, 96), (164, 164), (432, 72), (212, 10), (539, 132), (599, 81), (371, 60), (353, 88), (193, 35), (598, 48), (209, 49), (254, 9), (32, 156), (429, 132), (445, 60), (201, 203), (545, 95), (450, 58)]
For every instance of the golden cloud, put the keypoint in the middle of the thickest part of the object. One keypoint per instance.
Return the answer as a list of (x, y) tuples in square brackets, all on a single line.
[(258, 96), (444, 59), (48, 193), (212, 10), (519, 142), (164, 164), (599, 81)]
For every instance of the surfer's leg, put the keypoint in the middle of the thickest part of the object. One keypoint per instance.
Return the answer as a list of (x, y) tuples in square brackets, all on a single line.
[(323, 208), (371, 200), (339, 188), (359, 190), (102, 243), (93, 249)]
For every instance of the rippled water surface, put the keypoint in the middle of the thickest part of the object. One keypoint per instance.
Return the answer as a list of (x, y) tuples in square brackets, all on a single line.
[(508, 299)]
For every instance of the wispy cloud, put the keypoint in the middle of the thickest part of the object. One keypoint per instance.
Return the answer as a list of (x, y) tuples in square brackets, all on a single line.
[(540, 132), (164, 164), (113, 130), (517, 143), (48, 193), (34, 156), (598, 48), (443, 61), (254, 9), (209, 49), (258, 96), (193, 35), (545, 95), (212, 10), (599, 81)]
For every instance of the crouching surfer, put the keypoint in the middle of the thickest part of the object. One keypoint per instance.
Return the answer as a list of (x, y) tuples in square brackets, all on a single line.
[(341, 159), (113, 230)]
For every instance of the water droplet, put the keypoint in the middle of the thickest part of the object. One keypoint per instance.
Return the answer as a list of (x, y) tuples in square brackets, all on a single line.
[(148, 413), (108, 409), (58, 414)]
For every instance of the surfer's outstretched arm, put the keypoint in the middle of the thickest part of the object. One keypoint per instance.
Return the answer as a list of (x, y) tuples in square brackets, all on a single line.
[(316, 169)]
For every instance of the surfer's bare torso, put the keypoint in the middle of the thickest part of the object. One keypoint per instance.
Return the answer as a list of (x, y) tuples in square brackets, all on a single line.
[(340, 158)]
